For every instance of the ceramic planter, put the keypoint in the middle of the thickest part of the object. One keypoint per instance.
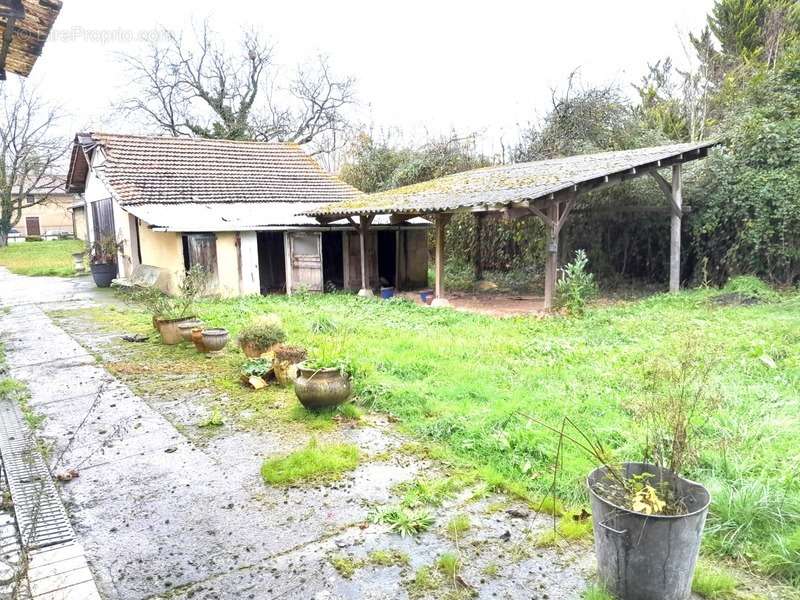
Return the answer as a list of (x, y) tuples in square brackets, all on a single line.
[(648, 557), (215, 340), (185, 329), (168, 328), (321, 388), (103, 273)]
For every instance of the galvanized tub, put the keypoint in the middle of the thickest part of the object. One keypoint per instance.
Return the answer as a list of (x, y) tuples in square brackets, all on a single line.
[(648, 557)]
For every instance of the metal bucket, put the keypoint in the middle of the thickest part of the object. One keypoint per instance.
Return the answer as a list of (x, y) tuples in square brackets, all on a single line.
[(648, 557)]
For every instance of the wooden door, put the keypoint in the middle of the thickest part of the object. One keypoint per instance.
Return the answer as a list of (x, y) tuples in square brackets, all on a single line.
[(305, 251), (32, 226)]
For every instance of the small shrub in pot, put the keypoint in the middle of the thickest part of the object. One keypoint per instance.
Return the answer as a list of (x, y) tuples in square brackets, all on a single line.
[(261, 335)]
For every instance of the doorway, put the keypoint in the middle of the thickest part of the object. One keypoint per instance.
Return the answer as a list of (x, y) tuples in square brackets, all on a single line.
[(271, 262), (32, 226), (387, 258), (332, 260)]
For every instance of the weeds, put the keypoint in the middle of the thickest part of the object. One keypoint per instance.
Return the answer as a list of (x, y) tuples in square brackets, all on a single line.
[(404, 521), (577, 286), (458, 526), (389, 558), (596, 592)]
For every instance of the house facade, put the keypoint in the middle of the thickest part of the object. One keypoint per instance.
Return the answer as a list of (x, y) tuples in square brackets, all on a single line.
[(236, 209), (48, 218)]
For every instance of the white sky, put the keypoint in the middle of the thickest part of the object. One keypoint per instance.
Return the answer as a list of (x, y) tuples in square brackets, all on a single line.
[(420, 66)]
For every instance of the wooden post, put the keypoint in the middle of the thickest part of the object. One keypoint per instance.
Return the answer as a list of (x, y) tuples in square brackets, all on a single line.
[(551, 260), (675, 231), (439, 299), (363, 229), (477, 256)]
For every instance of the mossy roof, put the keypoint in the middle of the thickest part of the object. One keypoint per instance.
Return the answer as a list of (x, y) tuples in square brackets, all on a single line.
[(504, 185)]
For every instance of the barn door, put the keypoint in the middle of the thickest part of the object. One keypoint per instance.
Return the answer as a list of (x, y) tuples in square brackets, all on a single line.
[(32, 226), (305, 251)]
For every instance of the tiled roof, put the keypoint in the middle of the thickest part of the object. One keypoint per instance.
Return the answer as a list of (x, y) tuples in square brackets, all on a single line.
[(506, 184), (32, 21), (169, 170)]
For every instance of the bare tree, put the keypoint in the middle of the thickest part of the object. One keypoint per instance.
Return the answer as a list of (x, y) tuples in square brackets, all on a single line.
[(196, 87), (30, 153)]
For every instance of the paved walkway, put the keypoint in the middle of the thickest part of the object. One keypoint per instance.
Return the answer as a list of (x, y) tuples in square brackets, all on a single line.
[(160, 516)]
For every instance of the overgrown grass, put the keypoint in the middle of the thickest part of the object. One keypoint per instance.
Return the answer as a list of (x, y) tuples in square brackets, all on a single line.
[(460, 381), (315, 462), (596, 592), (41, 258)]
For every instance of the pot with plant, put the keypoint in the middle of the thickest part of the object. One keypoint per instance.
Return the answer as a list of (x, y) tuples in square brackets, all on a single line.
[(324, 379), (170, 312), (648, 518), (261, 335), (285, 361), (103, 260)]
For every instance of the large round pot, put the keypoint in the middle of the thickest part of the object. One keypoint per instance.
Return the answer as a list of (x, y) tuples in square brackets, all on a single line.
[(168, 328), (103, 273), (321, 388), (185, 329), (214, 340), (648, 557)]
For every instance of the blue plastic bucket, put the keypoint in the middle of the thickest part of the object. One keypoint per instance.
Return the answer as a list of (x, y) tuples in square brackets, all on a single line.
[(423, 295), (387, 292)]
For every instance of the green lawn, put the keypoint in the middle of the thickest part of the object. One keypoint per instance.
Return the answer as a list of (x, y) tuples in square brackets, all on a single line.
[(460, 380), (41, 258)]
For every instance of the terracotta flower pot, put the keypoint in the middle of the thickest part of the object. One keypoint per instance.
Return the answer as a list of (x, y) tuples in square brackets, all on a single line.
[(254, 350), (197, 339), (321, 388), (215, 339)]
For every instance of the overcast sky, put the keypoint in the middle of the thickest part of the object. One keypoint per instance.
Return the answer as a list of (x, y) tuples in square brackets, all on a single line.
[(420, 66)]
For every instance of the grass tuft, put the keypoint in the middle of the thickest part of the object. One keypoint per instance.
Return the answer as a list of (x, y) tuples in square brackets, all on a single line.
[(389, 558), (315, 462), (713, 583), (458, 526), (406, 522), (596, 592)]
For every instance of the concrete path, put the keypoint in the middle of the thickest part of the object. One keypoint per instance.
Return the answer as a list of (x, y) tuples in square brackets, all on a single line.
[(161, 516)]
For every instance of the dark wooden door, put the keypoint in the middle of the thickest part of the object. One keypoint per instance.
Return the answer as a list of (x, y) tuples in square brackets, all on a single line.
[(32, 226)]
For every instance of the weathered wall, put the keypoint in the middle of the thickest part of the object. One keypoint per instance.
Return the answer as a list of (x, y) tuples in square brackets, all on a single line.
[(162, 249), (54, 214), (250, 282), (80, 224), (414, 258), (227, 265)]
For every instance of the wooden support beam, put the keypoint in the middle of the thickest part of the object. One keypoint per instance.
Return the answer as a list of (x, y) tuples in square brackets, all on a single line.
[(551, 260), (363, 229), (477, 255), (397, 218), (675, 230), (439, 299)]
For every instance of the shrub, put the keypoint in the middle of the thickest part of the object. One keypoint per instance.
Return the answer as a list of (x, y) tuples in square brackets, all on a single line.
[(750, 287), (576, 286), (33, 238), (263, 332)]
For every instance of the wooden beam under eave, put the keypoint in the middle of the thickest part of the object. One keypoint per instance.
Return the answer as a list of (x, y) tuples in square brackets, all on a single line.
[(675, 230), (397, 218), (364, 223), (439, 300)]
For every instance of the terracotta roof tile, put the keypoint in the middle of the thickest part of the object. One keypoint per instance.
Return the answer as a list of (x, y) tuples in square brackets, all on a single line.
[(169, 170)]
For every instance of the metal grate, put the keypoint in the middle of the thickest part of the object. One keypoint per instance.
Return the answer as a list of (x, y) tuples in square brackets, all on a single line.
[(41, 517)]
